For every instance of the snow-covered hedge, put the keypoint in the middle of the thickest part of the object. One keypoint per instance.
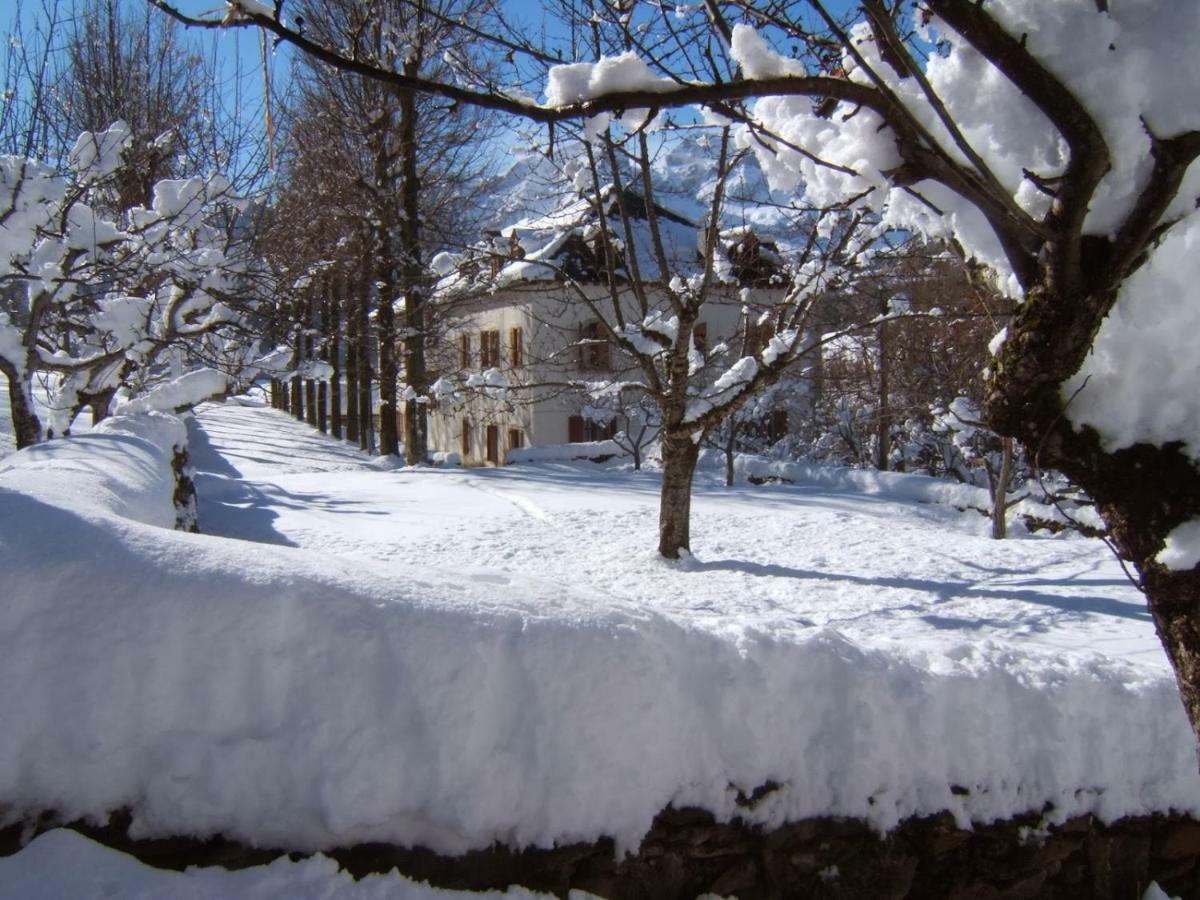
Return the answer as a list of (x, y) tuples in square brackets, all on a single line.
[(291, 699)]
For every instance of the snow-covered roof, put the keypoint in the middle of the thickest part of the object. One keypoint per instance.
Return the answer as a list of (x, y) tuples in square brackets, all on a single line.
[(568, 243)]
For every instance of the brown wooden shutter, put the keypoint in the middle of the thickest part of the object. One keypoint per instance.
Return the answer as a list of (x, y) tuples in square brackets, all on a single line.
[(575, 430), (489, 349), (464, 350), (700, 337), (593, 352), (493, 444), (516, 440), (515, 347), (466, 439)]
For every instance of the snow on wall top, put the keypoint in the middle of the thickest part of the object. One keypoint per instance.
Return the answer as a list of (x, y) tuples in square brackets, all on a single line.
[(290, 698)]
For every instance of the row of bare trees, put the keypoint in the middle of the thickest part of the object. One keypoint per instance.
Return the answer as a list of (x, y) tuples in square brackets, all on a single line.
[(373, 180)]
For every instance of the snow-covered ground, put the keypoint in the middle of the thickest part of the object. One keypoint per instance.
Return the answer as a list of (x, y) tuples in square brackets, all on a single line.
[(454, 657), (782, 560)]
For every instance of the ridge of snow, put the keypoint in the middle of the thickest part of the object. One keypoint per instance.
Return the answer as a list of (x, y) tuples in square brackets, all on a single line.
[(285, 696)]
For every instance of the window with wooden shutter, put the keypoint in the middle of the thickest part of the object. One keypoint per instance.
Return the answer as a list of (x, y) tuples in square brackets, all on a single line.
[(466, 438), (593, 348), (516, 439), (464, 351), (700, 337), (489, 349), (575, 430), (516, 345)]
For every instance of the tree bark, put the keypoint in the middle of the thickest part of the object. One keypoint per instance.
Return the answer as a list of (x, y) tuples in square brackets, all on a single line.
[(730, 443), (352, 429), (322, 407), (679, 456), (27, 428), (1143, 492), (884, 449), (366, 422), (297, 398), (310, 402), (416, 426), (333, 326), (100, 404), (385, 320), (1000, 491)]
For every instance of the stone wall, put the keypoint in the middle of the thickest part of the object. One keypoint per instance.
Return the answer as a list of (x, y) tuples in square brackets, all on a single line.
[(687, 854)]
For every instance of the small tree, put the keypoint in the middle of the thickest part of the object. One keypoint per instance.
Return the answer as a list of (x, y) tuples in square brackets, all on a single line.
[(104, 304)]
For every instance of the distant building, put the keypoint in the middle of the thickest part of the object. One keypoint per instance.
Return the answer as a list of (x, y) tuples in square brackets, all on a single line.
[(526, 333)]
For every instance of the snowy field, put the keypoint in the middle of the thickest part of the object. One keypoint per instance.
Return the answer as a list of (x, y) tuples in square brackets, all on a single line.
[(780, 562), (454, 657)]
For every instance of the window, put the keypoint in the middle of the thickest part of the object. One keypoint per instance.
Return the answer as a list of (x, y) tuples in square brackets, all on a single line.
[(489, 349), (464, 351), (516, 439), (581, 430), (593, 348), (516, 343), (466, 439), (700, 337)]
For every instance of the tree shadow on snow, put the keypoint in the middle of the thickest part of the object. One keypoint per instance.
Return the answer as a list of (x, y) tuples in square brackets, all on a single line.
[(232, 508), (945, 591)]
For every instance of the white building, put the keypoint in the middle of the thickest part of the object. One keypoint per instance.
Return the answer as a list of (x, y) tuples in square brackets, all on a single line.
[(527, 360)]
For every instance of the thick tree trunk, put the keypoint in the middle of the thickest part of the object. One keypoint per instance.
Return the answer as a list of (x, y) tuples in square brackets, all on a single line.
[(366, 416), (1175, 605), (27, 428), (884, 448), (416, 426), (335, 403), (310, 402), (679, 456), (278, 397), (322, 407), (1000, 491), (297, 405), (385, 320), (1143, 492), (352, 370), (334, 352), (730, 443), (100, 404)]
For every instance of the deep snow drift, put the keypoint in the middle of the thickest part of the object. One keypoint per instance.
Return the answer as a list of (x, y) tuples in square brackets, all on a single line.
[(451, 658)]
